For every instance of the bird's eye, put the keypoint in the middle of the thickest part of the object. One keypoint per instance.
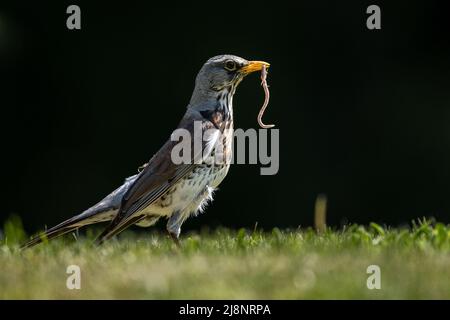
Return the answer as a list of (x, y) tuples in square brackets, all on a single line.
[(230, 65)]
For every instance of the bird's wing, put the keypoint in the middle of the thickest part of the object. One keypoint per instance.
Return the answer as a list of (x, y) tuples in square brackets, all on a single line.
[(160, 174)]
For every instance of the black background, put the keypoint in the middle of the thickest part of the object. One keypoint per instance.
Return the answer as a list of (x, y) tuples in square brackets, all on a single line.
[(364, 115)]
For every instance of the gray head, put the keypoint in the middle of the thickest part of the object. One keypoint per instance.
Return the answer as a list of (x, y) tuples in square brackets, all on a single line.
[(221, 74)]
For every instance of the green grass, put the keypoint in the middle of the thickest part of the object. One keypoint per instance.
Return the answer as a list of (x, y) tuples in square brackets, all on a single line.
[(243, 264)]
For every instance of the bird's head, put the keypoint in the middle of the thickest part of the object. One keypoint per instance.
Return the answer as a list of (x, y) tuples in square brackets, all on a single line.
[(222, 73)]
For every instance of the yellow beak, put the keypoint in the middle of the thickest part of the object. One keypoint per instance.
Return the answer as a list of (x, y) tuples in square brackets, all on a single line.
[(253, 66)]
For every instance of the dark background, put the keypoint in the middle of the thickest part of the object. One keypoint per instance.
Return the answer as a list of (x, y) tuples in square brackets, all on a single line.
[(364, 116)]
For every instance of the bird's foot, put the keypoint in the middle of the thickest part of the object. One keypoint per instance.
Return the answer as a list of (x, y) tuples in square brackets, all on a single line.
[(175, 239)]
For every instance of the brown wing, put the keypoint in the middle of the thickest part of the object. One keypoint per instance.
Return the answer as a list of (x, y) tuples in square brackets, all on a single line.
[(158, 176)]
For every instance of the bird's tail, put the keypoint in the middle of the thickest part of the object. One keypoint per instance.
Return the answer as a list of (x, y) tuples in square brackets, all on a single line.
[(105, 210), (70, 225)]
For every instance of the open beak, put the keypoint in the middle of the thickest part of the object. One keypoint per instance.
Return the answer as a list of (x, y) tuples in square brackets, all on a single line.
[(253, 66)]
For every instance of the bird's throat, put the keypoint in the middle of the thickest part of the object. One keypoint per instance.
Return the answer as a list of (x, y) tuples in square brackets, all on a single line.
[(225, 103)]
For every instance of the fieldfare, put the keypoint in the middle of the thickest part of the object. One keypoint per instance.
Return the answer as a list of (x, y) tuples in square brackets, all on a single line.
[(167, 189)]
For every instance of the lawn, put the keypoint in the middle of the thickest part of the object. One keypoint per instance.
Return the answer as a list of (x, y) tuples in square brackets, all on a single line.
[(241, 264)]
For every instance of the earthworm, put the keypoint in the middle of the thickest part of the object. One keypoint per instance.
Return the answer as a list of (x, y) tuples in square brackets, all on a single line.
[(266, 99)]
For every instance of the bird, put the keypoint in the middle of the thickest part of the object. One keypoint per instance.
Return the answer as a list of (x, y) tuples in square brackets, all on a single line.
[(163, 188)]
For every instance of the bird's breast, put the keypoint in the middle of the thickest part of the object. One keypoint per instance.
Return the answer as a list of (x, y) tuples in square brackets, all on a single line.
[(198, 184)]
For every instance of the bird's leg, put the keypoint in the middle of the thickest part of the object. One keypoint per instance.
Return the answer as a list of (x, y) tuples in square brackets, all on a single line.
[(175, 239), (174, 226)]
